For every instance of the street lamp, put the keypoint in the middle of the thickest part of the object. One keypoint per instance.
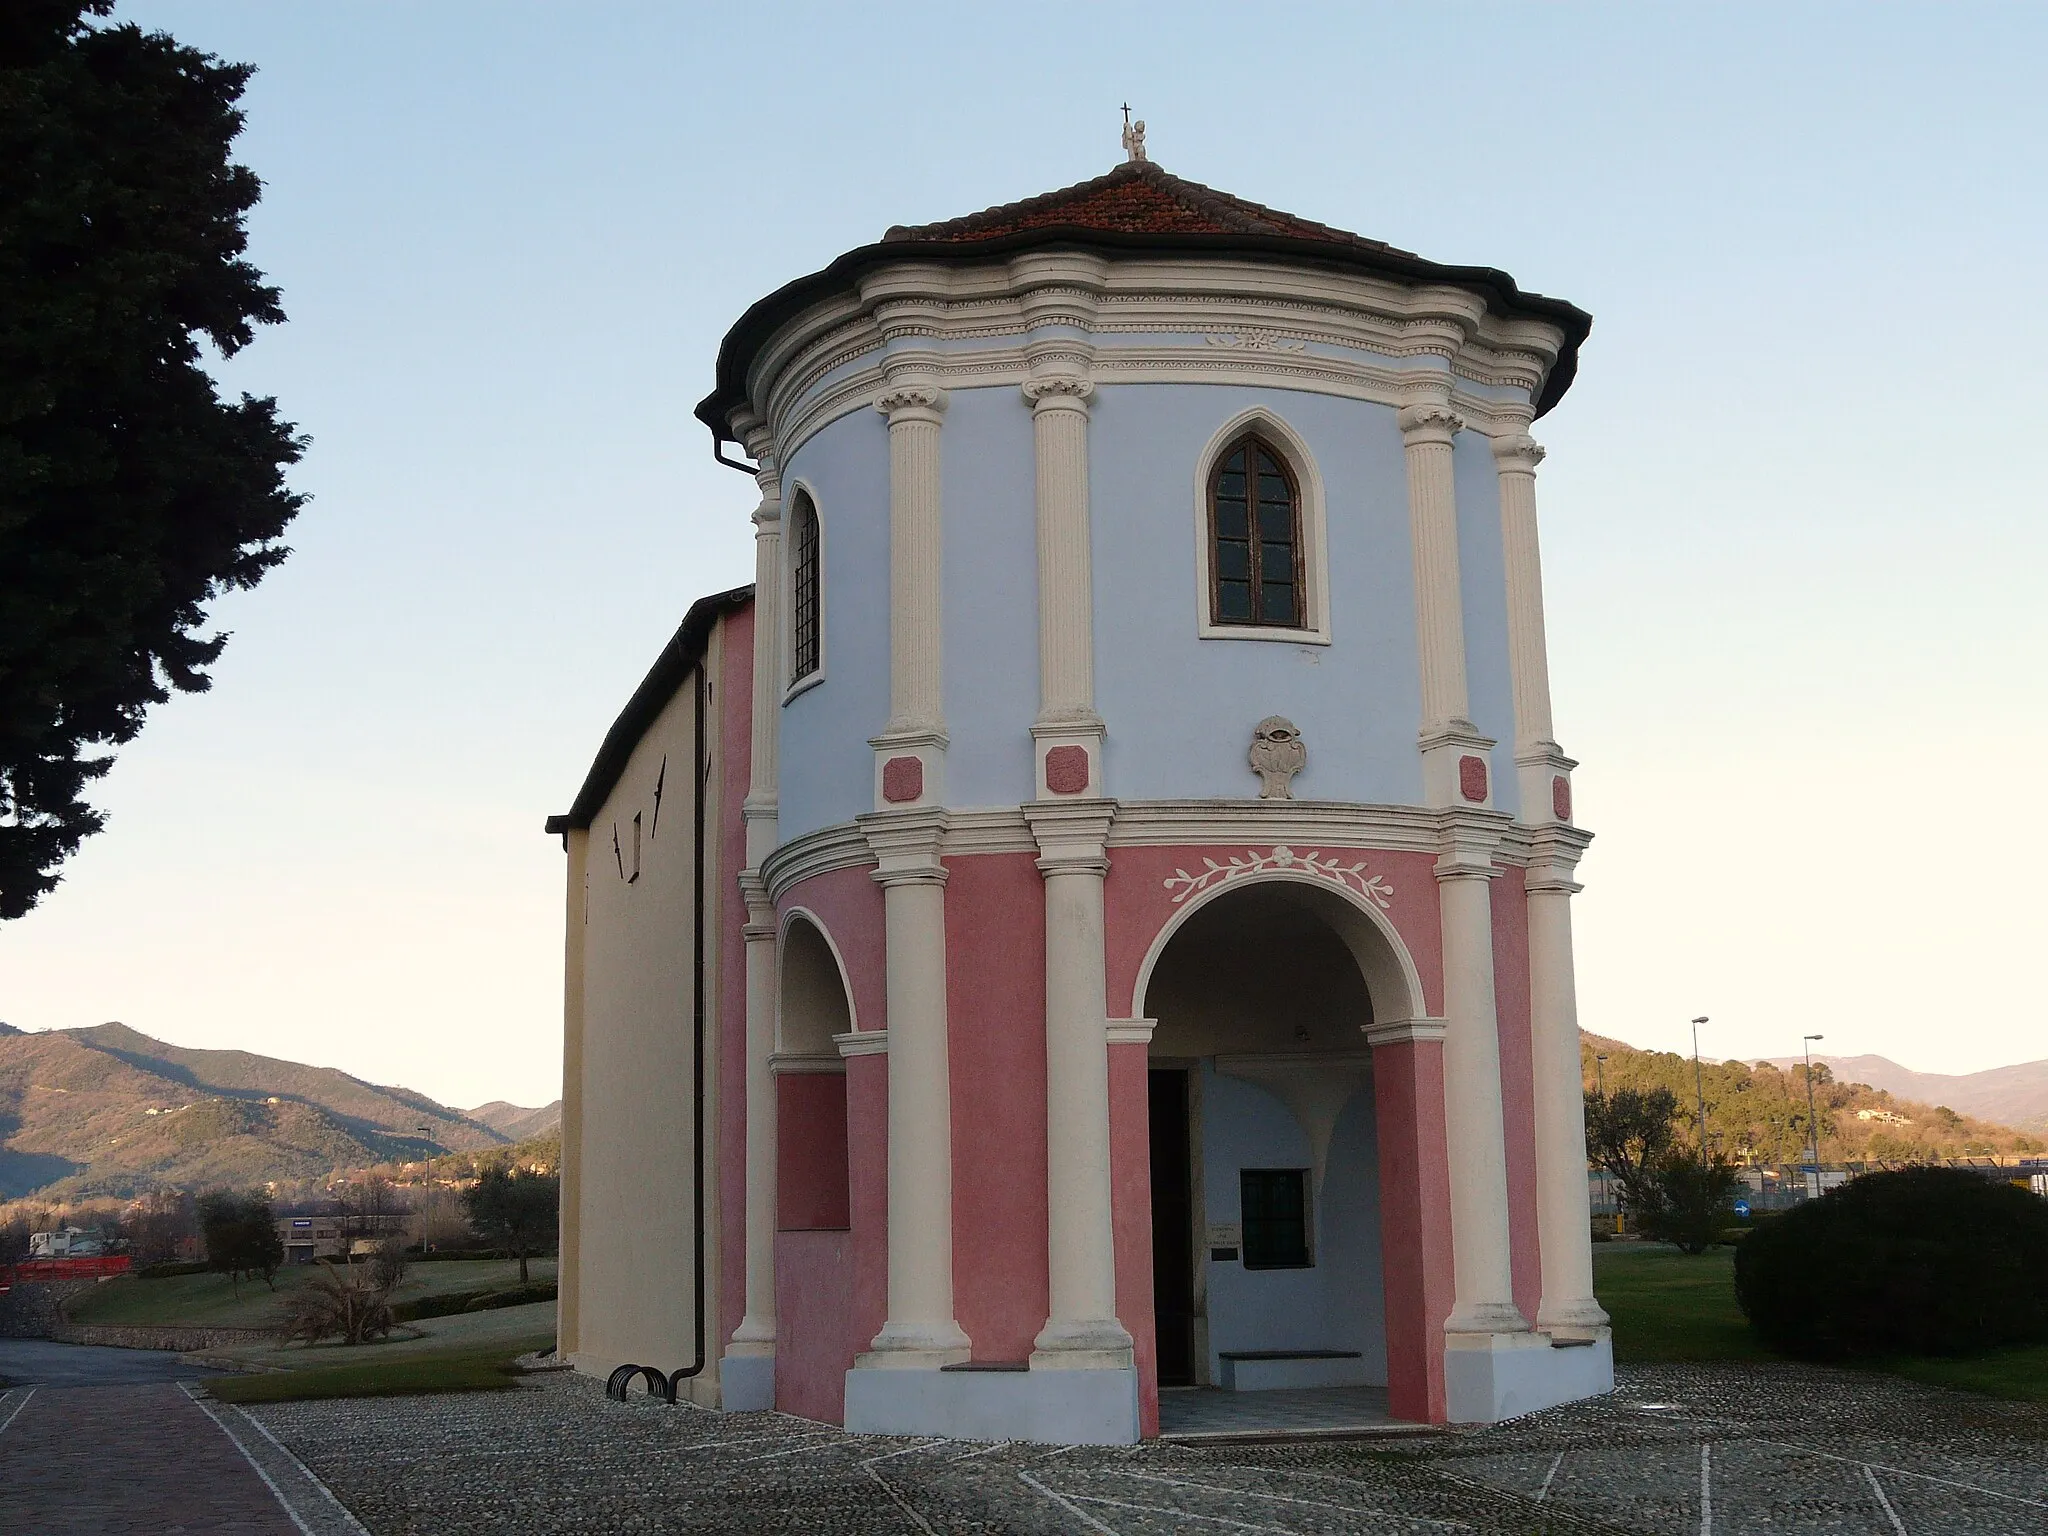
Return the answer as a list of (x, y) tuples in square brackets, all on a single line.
[(427, 1200), (1812, 1123), (1699, 1086), (1600, 1083)]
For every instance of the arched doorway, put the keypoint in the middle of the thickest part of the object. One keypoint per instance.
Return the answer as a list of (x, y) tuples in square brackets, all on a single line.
[(810, 1082), (1264, 1144)]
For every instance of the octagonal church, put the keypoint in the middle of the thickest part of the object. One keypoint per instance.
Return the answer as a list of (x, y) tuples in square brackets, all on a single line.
[(1093, 918)]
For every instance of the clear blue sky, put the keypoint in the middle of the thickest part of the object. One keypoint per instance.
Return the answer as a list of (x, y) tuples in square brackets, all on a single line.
[(1792, 510)]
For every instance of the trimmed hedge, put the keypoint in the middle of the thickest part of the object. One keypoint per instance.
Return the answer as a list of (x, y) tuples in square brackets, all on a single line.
[(449, 1303), (1923, 1261), (171, 1271)]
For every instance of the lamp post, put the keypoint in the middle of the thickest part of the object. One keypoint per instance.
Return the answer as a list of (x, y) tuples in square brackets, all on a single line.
[(427, 1198), (1812, 1122), (1699, 1086)]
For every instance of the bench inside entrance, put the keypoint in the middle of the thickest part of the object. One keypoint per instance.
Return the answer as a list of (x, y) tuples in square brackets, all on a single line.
[(1262, 1370)]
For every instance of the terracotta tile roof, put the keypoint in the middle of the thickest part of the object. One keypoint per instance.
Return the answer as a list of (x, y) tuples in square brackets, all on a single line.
[(1137, 198)]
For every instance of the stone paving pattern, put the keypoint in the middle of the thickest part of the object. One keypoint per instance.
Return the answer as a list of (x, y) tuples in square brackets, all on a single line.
[(114, 1460), (1779, 1449)]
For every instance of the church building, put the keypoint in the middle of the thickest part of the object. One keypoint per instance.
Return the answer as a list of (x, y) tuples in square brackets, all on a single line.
[(1094, 917)]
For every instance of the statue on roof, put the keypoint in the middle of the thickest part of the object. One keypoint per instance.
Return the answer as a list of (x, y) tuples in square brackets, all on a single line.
[(1134, 138)]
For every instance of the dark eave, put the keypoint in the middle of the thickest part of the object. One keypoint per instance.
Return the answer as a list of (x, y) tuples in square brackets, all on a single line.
[(678, 659), (764, 318)]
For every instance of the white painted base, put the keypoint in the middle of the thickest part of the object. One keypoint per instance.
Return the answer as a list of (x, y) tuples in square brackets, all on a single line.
[(1049, 1407), (1491, 1377), (746, 1383), (1272, 1375)]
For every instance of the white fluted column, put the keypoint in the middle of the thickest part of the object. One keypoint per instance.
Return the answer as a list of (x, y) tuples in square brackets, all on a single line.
[(1066, 619), (1082, 1330), (756, 1332), (1544, 771), (1563, 1210), (1484, 1279), (1455, 769), (920, 1330), (747, 1372)]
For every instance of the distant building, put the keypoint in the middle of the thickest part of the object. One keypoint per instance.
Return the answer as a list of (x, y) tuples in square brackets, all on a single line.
[(68, 1243), (1095, 915)]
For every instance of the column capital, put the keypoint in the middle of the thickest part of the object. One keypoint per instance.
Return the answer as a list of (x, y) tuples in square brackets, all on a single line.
[(906, 845), (760, 907), (1059, 392), (1517, 454), (1071, 834), (1405, 1032), (1468, 841), (1554, 852), (1429, 422), (910, 401)]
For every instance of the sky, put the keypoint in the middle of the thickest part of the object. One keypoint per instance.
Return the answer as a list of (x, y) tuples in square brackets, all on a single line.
[(1793, 541)]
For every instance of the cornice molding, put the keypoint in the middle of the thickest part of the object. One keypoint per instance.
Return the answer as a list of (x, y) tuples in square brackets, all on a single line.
[(1256, 322), (863, 1042), (1406, 1032)]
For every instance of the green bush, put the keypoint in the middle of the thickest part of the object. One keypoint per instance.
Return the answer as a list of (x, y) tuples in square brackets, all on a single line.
[(1923, 1261), (448, 1303), (171, 1271), (515, 1296)]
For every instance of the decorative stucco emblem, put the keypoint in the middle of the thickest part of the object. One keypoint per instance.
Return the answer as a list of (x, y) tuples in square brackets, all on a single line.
[(1277, 755), (1066, 770), (1317, 866)]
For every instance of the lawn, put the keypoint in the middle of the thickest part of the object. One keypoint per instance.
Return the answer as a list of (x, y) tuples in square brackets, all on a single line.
[(478, 1369), (211, 1301), (1669, 1306)]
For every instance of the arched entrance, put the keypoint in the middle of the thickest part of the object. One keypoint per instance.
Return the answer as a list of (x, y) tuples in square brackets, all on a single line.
[(811, 1082), (1264, 1144)]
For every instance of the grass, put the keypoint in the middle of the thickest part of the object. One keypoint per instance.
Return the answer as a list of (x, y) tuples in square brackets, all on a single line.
[(1670, 1306), (211, 1301), (481, 1369)]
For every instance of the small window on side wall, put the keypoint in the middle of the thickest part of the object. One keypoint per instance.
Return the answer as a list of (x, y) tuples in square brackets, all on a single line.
[(1256, 575), (1273, 1205), (805, 577)]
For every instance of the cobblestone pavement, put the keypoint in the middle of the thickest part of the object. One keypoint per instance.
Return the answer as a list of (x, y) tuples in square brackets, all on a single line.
[(1784, 1449), (107, 1461)]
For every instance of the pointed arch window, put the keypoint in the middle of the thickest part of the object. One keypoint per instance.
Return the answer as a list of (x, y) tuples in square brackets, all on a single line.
[(1256, 569), (806, 610)]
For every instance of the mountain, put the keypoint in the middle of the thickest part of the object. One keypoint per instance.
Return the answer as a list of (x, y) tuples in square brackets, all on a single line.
[(2016, 1096), (1759, 1110), (517, 1122), (110, 1111)]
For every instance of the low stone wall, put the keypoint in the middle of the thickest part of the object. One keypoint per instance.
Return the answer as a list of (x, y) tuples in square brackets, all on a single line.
[(181, 1340), (33, 1308)]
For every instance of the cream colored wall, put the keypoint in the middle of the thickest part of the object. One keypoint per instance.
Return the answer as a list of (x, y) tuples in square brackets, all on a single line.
[(633, 1225)]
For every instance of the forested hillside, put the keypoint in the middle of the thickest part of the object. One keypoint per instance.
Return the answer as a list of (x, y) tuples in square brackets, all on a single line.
[(109, 1111), (1757, 1112)]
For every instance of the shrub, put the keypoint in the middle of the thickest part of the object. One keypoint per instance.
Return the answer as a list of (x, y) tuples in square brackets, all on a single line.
[(515, 1296), (1933, 1261), (1688, 1200), (170, 1271)]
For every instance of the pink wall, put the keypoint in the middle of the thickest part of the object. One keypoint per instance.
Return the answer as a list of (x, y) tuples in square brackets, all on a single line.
[(814, 1285), (995, 1008), (1130, 1162), (848, 906), (1140, 904), (733, 696), (867, 1154), (1415, 1224), (810, 1153), (1517, 1081)]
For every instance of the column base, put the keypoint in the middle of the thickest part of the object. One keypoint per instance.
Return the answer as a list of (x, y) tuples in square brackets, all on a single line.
[(1095, 1344), (1049, 1407), (1489, 1377), (746, 1383), (1581, 1319), (916, 1347)]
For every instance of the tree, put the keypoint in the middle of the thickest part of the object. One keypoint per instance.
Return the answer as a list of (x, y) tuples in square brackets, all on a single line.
[(1690, 1199), (241, 1237), (131, 493), (514, 1209), (1627, 1132)]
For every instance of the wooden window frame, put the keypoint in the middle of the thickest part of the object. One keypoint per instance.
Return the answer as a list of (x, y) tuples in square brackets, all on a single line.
[(806, 579), (1254, 442), (1299, 1177)]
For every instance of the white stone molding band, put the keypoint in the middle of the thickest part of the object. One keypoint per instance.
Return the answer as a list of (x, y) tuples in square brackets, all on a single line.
[(1406, 1032), (1483, 1278), (1131, 1031), (920, 1331), (1082, 1330), (862, 1042)]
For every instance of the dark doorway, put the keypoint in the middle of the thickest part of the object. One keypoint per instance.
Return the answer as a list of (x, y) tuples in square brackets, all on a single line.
[(1173, 1219)]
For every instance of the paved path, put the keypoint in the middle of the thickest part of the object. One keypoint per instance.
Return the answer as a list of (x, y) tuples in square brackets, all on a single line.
[(29, 1362), (107, 1461), (1778, 1450)]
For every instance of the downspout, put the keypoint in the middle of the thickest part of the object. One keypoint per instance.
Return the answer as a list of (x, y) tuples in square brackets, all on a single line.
[(697, 1009)]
